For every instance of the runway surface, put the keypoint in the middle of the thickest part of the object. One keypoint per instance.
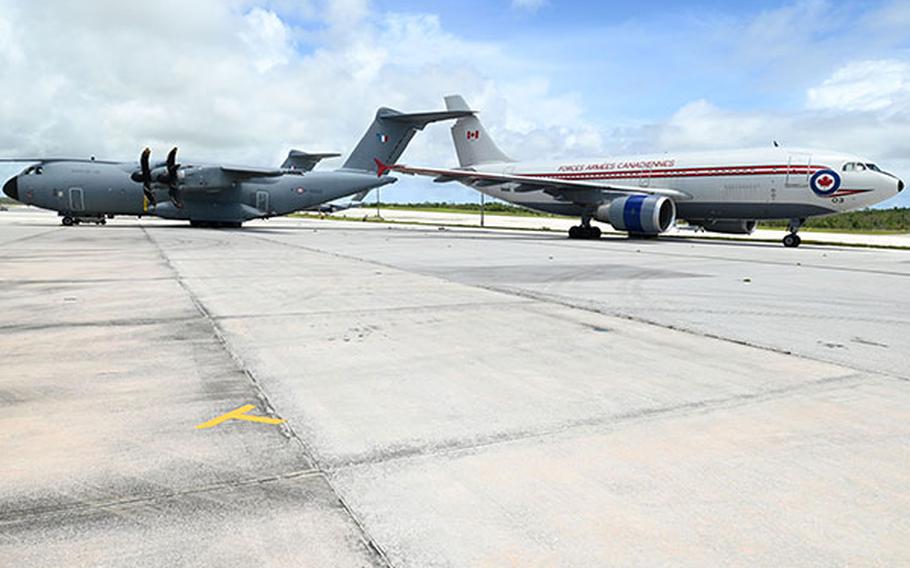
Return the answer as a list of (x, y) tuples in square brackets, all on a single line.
[(450, 398)]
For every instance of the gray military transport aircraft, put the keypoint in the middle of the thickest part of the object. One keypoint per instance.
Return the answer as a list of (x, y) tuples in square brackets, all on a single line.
[(213, 195)]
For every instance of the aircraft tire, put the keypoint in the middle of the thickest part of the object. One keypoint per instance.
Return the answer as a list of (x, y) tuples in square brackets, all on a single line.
[(103, 221), (67, 221), (575, 232), (792, 240), (594, 233)]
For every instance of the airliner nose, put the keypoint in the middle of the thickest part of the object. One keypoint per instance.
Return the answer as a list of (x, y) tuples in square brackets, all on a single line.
[(900, 185), (11, 188)]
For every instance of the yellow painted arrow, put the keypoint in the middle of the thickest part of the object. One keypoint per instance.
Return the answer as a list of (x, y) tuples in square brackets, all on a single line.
[(239, 414)]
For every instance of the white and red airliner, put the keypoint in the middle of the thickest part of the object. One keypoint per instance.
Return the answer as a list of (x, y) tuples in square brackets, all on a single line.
[(723, 192)]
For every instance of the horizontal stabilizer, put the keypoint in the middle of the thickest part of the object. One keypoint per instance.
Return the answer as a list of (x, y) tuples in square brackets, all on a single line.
[(390, 133), (304, 161), (421, 119)]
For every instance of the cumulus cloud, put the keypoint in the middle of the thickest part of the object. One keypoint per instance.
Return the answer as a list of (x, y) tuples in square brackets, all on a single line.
[(244, 81), (865, 86)]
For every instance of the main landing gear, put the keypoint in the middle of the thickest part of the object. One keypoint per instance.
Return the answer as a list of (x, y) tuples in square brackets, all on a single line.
[(585, 230), (69, 221), (792, 240)]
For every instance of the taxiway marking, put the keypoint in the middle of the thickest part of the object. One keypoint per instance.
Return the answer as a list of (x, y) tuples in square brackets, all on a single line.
[(239, 414)]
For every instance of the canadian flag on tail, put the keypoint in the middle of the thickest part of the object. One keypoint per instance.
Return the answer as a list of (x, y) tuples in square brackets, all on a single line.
[(473, 134)]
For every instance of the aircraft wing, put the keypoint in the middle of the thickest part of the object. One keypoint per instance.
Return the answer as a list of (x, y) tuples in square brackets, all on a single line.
[(573, 190), (242, 173), (52, 160)]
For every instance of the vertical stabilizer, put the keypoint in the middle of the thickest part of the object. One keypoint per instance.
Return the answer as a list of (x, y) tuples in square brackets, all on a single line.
[(389, 135), (472, 142)]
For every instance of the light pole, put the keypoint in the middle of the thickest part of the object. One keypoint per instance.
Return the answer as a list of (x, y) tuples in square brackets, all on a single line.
[(482, 195)]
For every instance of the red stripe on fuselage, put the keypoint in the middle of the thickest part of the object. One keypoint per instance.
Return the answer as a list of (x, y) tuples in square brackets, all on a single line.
[(718, 171)]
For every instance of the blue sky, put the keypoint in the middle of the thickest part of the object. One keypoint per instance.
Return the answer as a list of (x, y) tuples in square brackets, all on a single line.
[(244, 80)]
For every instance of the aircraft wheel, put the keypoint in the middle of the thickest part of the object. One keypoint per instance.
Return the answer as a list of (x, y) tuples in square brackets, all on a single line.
[(67, 221), (575, 232), (792, 240), (103, 221), (594, 233)]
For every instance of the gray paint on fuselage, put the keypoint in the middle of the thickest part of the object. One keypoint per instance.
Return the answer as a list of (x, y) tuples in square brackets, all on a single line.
[(108, 189)]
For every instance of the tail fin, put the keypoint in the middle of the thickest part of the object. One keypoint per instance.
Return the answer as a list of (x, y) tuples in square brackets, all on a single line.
[(389, 135), (472, 143)]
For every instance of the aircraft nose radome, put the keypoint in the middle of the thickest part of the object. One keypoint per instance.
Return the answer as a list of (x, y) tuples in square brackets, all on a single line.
[(900, 185), (11, 188)]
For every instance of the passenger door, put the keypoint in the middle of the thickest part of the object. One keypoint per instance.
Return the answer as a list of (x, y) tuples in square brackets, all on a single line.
[(798, 170)]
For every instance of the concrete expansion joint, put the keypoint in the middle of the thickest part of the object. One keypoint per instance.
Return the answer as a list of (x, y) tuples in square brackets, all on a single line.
[(285, 428), (613, 421), (16, 515), (566, 302), (30, 237)]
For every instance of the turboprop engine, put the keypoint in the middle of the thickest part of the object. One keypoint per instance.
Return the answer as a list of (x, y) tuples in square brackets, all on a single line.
[(639, 214), (728, 226)]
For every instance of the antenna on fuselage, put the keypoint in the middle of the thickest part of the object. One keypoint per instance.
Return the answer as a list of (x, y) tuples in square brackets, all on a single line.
[(776, 145)]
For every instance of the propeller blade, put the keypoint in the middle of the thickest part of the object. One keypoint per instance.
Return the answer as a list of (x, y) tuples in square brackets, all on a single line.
[(174, 194), (146, 176), (172, 167), (172, 164), (144, 164)]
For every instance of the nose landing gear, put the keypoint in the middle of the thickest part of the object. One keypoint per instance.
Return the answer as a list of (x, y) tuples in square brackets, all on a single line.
[(792, 240)]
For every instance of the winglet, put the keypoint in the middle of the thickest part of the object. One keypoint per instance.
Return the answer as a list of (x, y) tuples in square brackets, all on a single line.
[(381, 168)]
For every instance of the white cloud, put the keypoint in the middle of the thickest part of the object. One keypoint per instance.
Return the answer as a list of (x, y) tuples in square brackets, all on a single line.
[(226, 80), (242, 82), (864, 86), (267, 38)]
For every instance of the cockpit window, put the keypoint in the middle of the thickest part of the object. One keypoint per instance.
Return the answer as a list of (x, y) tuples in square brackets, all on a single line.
[(34, 170), (873, 167), (855, 167)]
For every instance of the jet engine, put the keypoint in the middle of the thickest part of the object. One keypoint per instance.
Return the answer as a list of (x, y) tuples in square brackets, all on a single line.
[(639, 214), (728, 226)]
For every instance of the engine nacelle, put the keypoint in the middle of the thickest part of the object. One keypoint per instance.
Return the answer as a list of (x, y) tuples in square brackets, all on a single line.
[(728, 226), (639, 214)]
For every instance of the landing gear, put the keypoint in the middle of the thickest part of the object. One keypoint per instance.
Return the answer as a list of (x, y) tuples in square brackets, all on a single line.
[(216, 224), (792, 239), (68, 221), (585, 230)]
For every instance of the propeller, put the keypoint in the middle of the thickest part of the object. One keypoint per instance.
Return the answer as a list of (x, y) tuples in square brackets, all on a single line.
[(171, 179), (144, 176)]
